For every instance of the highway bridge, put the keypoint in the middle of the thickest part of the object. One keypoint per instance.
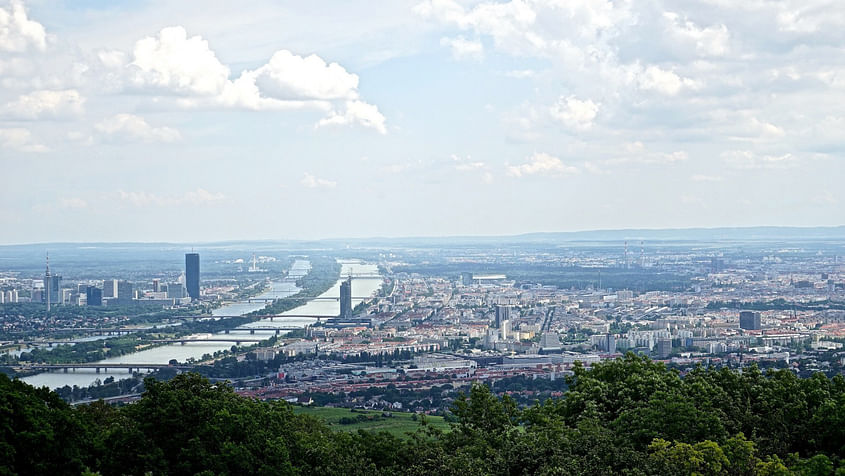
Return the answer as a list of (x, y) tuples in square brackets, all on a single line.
[(186, 340), (252, 330), (100, 366), (267, 316), (318, 298)]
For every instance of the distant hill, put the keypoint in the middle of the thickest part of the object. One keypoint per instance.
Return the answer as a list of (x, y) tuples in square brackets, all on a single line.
[(737, 234)]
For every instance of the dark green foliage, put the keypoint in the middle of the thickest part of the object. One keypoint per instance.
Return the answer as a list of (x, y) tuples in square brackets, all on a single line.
[(39, 432), (629, 416)]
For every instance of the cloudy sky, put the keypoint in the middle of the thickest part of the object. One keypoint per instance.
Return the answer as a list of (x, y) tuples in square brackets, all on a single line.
[(198, 121)]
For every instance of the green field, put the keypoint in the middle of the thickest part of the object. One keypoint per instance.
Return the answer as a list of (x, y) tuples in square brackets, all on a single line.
[(398, 424)]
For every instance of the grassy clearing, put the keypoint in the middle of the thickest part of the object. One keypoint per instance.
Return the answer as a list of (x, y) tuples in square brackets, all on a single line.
[(399, 423)]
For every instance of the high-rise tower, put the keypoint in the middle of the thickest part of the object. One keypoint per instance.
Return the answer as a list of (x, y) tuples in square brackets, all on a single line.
[(47, 282), (52, 287), (503, 313), (192, 275), (346, 299)]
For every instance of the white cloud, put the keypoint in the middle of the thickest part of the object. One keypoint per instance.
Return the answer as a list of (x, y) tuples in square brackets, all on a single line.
[(709, 41), (196, 197), (176, 64), (18, 33), (310, 181), (474, 167), (201, 196), (356, 112), (129, 127), (46, 104), (543, 164), (290, 77), (173, 62), (574, 113), (20, 139), (654, 78), (463, 48)]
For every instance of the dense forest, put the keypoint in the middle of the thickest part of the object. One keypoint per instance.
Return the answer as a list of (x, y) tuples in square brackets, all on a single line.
[(628, 416)]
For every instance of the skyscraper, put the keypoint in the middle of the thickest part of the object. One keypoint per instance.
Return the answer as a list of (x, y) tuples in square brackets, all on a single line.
[(664, 348), (110, 288), (94, 296), (192, 275), (175, 290), (503, 313), (609, 343), (749, 320), (124, 292), (346, 299)]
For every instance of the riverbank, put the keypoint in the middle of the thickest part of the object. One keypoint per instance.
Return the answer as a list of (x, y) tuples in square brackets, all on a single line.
[(248, 331)]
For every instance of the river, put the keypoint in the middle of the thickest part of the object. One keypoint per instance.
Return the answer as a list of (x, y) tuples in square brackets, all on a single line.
[(278, 289)]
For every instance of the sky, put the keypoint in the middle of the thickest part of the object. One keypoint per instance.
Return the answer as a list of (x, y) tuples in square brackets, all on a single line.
[(197, 121)]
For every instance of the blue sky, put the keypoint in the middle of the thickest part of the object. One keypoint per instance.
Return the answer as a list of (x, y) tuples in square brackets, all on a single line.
[(200, 121)]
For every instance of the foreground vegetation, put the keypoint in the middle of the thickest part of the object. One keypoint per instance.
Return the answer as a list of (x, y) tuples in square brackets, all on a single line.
[(629, 416)]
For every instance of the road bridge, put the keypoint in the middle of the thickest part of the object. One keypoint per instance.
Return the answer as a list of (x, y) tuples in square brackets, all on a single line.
[(100, 366), (252, 330), (318, 298), (266, 316), (49, 343), (88, 330), (235, 340)]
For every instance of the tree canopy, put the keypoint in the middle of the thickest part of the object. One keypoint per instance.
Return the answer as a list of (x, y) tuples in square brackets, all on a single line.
[(627, 416)]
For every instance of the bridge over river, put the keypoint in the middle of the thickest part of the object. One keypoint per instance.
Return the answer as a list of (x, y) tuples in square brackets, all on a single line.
[(98, 366)]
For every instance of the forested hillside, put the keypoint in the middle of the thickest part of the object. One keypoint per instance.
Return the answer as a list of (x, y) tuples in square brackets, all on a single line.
[(629, 416)]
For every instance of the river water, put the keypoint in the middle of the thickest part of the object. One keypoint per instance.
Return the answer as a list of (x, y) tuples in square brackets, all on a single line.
[(278, 289)]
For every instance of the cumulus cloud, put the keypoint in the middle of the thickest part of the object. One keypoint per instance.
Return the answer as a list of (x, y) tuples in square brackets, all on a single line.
[(463, 164), (196, 197), (356, 112), (463, 48), (18, 33), (654, 78), (46, 104), (310, 181), (176, 64), (20, 139), (290, 77), (129, 127), (476, 168), (708, 41), (574, 113), (543, 164)]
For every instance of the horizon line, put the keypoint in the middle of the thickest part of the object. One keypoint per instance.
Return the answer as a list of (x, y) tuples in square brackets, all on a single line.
[(445, 237)]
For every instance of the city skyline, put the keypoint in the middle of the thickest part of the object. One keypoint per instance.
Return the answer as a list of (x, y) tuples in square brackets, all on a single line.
[(161, 122)]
